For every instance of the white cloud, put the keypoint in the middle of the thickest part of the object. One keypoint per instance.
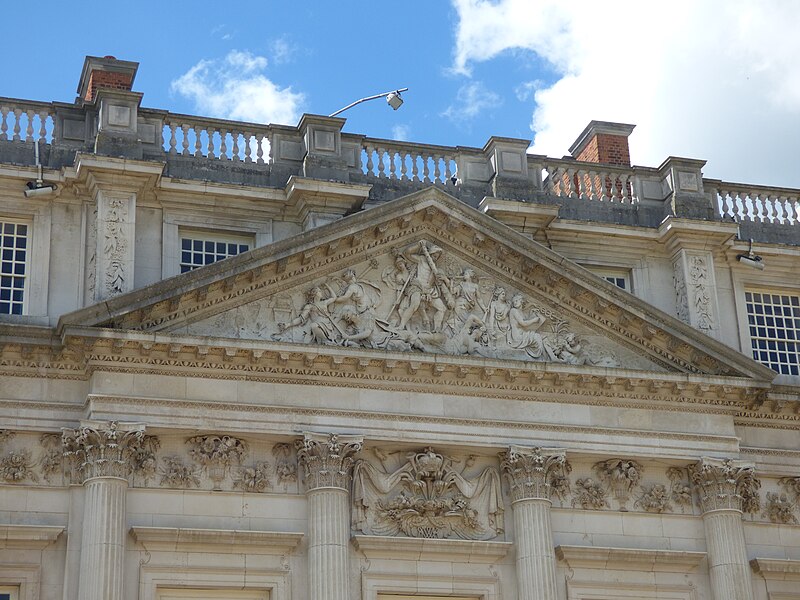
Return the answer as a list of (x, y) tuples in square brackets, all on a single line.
[(282, 51), (235, 87), (471, 100), (717, 80), (400, 133)]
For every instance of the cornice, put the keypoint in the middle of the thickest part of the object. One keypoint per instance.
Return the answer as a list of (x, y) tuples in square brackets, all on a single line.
[(462, 551), (630, 559), (777, 568), (35, 537), (182, 539)]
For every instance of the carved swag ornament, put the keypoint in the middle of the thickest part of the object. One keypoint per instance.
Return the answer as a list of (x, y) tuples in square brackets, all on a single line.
[(427, 497)]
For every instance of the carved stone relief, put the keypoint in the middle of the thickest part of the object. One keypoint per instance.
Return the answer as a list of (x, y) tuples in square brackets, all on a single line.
[(175, 474), (426, 494), (620, 476), (17, 466), (726, 484), (780, 509), (420, 298), (681, 295), (217, 454), (103, 449), (536, 473), (589, 494)]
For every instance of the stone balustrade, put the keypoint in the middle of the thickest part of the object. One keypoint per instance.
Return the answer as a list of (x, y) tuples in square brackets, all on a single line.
[(26, 120), (267, 155), (409, 162), (587, 181), (218, 139), (760, 204)]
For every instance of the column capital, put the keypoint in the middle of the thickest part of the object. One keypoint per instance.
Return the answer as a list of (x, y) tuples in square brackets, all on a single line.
[(103, 448), (533, 472), (327, 459), (723, 483)]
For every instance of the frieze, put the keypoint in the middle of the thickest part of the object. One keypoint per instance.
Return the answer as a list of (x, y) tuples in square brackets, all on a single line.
[(620, 476), (217, 454), (427, 495)]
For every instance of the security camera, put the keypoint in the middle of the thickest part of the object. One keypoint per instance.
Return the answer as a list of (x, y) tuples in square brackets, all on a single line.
[(37, 189), (752, 260)]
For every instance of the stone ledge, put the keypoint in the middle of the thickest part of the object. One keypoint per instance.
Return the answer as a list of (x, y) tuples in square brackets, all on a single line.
[(28, 536), (184, 539), (630, 559), (777, 568), (463, 551)]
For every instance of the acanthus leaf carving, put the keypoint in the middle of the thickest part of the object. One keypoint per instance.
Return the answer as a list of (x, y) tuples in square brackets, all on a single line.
[(589, 494), (255, 478), (285, 465), (726, 484), (176, 474), (536, 473), (327, 460), (217, 454), (621, 476), (103, 449), (427, 497), (17, 467), (780, 509)]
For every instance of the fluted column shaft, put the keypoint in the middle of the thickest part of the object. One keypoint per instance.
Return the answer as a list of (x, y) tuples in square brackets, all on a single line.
[(532, 474), (536, 570), (103, 539), (327, 462), (728, 566), (328, 535)]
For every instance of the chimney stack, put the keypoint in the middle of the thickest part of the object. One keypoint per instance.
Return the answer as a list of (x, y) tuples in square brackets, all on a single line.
[(105, 72), (603, 142)]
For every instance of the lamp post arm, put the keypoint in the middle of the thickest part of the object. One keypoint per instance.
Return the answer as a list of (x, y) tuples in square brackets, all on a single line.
[(375, 97)]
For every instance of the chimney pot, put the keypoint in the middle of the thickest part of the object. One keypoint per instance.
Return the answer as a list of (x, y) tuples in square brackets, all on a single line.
[(603, 142), (105, 72)]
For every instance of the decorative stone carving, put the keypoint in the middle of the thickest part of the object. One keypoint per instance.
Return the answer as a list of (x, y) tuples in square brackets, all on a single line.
[(621, 476), (589, 494), (681, 295), (424, 301), (52, 460), (655, 498), (725, 484), (327, 460), (103, 449), (253, 479), (535, 472), (791, 485), (145, 463), (427, 497), (780, 509), (175, 474), (17, 467), (680, 490), (217, 454), (698, 279), (115, 245), (285, 465)]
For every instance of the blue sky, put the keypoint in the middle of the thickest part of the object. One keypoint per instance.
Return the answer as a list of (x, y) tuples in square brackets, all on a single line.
[(717, 80)]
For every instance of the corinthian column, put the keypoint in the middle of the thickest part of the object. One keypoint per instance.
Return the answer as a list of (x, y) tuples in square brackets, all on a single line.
[(327, 462), (726, 488), (102, 452), (530, 473)]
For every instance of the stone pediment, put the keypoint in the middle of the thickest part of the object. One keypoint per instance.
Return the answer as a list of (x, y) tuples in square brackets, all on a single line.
[(425, 274)]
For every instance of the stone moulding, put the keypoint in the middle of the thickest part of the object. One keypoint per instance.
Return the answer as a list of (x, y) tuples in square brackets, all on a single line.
[(777, 568), (629, 559), (253, 542), (35, 537), (398, 548)]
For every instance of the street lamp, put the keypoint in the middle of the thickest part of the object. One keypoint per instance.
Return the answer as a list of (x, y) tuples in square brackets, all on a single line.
[(393, 99)]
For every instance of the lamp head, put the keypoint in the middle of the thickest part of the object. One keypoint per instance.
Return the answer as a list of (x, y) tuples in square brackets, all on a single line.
[(394, 100)]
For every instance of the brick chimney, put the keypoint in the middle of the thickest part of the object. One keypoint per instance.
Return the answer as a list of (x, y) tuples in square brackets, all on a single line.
[(105, 72), (603, 142)]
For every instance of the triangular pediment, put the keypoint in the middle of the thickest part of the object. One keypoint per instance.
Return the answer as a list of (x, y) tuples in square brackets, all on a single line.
[(425, 274)]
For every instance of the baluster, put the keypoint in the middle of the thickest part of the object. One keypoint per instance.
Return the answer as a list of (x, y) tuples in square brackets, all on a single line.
[(248, 150), (259, 149), (369, 166), (392, 165), (173, 141), (448, 170), (591, 185), (415, 167), (17, 114), (727, 204), (381, 164), (580, 181), (4, 123), (29, 128), (223, 144), (210, 132), (437, 173), (403, 166), (571, 175), (271, 154), (185, 140), (43, 125), (552, 179), (198, 143), (426, 172), (770, 213), (794, 210), (625, 191), (235, 149)]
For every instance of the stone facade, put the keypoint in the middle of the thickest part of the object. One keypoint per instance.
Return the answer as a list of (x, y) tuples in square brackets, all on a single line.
[(415, 375)]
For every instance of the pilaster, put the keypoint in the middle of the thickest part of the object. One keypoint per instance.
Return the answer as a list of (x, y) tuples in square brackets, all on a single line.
[(725, 489), (529, 472), (327, 463)]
